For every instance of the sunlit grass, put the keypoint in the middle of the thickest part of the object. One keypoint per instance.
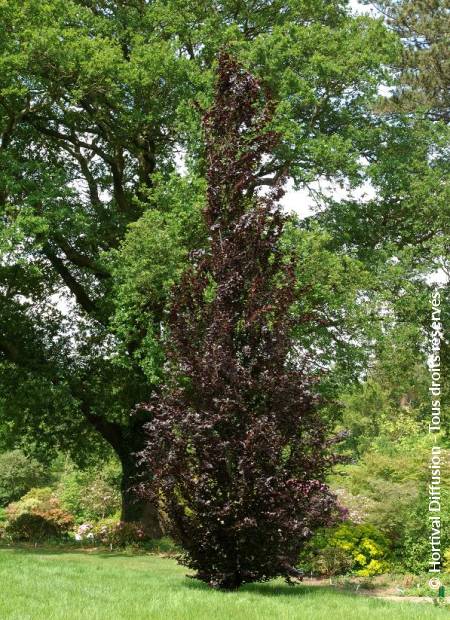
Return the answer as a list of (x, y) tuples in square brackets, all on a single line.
[(37, 585)]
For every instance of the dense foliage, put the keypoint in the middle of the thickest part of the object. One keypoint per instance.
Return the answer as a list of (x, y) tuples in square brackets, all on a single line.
[(102, 185), (348, 548), (18, 475), (95, 108), (237, 448), (92, 493), (424, 65), (37, 516)]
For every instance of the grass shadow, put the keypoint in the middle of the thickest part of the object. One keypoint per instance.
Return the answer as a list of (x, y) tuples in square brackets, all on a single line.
[(269, 589), (48, 550), (296, 590)]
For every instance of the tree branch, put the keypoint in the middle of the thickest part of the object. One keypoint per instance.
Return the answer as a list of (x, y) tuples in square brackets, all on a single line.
[(71, 282), (71, 138), (112, 432), (81, 260)]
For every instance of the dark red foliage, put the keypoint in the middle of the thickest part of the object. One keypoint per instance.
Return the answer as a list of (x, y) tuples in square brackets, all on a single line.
[(236, 446)]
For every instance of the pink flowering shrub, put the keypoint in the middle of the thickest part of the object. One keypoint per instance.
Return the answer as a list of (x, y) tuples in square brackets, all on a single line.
[(118, 533)]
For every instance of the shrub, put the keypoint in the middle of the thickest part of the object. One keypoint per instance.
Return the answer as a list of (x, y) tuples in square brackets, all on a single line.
[(356, 548), (446, 555), (413, 548), (85, 531), (3, 523), (118, 533), (388, 488), (406, 525), (38, 515), (18, 474), (32, 527), (35, 499), (90, 494), (332, 560)]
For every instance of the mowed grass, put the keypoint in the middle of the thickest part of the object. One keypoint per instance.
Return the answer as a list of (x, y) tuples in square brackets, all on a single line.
[(35, 585)]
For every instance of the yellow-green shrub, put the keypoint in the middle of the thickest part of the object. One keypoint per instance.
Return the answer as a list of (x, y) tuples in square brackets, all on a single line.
[(447, 560), (348, 548)]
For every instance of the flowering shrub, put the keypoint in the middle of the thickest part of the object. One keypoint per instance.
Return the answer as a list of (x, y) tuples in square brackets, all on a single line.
[(35, 499), (118, 533), (111, 532), (85, 532)]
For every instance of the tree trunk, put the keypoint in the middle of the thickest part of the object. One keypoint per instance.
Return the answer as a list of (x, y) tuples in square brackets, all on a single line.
[(127, 442), (134, 507)]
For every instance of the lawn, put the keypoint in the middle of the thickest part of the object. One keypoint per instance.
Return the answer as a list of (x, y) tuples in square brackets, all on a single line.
[(37, 585)]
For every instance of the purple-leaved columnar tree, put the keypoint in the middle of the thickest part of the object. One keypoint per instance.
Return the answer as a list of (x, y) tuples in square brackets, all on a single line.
[(237, 448)]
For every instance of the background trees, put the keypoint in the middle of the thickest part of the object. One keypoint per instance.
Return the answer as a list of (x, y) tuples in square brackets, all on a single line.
[(97, 219), (95, 108), (424, 65), (18, 475), (102, 183)]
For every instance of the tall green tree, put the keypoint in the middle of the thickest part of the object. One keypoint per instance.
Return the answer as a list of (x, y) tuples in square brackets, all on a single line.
[(424, 64), (400, 232), (96, 105)]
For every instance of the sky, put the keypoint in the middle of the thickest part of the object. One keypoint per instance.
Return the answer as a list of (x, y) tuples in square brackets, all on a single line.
[(301, 201)]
